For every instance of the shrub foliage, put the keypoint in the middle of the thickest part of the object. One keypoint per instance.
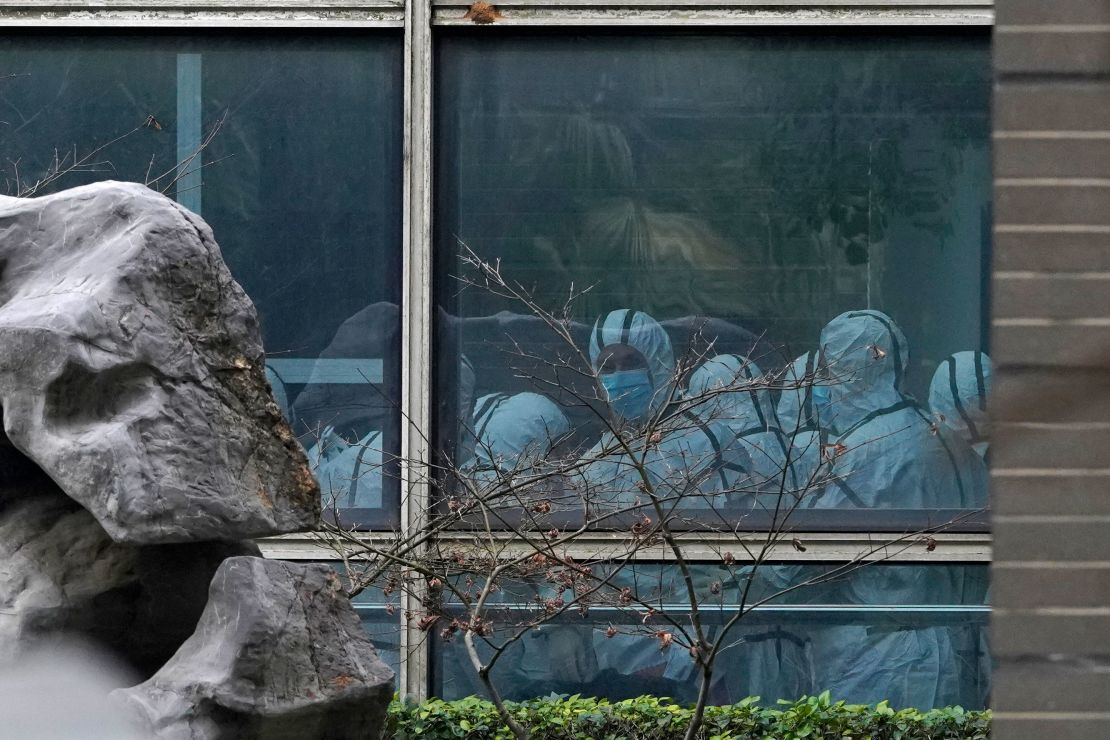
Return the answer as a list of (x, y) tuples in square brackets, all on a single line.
[(654, 718)]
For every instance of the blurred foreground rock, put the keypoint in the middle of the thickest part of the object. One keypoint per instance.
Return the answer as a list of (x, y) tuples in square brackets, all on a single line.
[(141, 447)]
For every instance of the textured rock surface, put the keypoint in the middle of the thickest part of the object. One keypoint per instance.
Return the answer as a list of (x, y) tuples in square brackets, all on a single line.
[(61, 576), (132, 371), (278, 653)]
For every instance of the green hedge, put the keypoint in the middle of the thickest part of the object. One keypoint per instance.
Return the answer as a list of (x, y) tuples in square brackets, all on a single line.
[(652, 718)]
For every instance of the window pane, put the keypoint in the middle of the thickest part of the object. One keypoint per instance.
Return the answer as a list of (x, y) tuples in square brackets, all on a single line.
[(915, 635), (741, 191), (379, 610), (290, 148)]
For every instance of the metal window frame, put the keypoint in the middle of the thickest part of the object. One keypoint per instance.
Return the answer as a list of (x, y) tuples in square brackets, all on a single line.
[(418, 18)]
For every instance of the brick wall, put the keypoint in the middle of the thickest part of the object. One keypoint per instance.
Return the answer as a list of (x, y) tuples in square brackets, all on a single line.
[(1051, 346)]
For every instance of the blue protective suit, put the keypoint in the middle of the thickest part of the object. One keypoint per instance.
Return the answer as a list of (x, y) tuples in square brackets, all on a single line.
[(958, 397), (643, 333), (731, 392), (464, 409), (693, 462), (893, 656), (350, 473), (804, 400), (889, 454), (512, 434), (804, 417)]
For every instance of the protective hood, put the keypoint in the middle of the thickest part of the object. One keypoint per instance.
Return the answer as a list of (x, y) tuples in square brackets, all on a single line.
[(747, 408), (864, 356), (643, 333), (513, 432), (804, 407), (958, 396)]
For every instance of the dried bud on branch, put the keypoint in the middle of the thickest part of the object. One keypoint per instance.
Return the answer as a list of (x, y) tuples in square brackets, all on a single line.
[(482, 13)]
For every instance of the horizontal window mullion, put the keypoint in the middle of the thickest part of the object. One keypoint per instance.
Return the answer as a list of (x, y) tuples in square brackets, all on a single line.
[(828, 547), (205, 14), (711, 13)]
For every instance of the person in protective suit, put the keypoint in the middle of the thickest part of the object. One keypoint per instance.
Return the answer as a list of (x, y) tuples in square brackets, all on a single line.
[(804, 417), (958, 397), (512, 434), (889, 453), (349, 472), (804, 400), (690, 463), (728, 389)]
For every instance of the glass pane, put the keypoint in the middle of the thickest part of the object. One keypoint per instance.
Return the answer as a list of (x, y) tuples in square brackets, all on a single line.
[(915, 635), (745, 197), (290, 148), (380, 614)]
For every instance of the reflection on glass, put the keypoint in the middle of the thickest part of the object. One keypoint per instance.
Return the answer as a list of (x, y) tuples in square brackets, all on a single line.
[(290, 148), (378, 612), (911, 634), (763, 197)]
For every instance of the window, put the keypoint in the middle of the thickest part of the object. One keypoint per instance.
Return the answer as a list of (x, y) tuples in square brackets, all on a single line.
[(739, 190), (911, 634), (739, 175), (291, 150)]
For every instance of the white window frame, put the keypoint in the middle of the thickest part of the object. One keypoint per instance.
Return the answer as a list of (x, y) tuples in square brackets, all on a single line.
[(418, 18)]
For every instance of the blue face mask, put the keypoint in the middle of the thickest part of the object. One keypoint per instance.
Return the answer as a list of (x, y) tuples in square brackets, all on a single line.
[(629, 392)]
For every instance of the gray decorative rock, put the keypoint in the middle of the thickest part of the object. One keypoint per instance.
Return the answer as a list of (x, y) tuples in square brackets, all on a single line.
[(62, 577), (278, 654), (132, 371), (60, 574)]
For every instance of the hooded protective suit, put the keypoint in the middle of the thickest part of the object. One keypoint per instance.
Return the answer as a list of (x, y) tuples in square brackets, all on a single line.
[(958, 397), (513, 433), (690, 464), (642, 333), (889, 454), (804, 400), (728, 389), (804, 417), (350, 473)]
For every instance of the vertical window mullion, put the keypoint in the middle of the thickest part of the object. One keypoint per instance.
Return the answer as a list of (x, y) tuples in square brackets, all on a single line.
[(416, 389)]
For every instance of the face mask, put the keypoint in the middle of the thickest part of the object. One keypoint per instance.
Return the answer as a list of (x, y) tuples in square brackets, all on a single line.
[(629, 392)]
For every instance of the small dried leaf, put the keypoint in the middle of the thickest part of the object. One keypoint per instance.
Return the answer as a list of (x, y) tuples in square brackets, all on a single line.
[(482, 13)]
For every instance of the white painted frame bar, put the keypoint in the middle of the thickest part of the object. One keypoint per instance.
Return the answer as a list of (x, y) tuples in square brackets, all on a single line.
[(722, 13), (947, 547), (192, 14), (416, 319)]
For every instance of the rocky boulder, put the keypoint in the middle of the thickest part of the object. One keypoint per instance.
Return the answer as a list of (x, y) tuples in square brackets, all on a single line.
[(278, 654), (132, 371)]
